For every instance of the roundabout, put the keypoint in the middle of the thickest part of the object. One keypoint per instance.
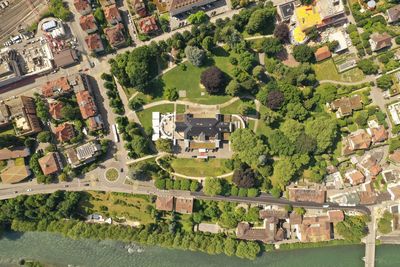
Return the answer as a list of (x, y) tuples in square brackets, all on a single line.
[(111, 174)]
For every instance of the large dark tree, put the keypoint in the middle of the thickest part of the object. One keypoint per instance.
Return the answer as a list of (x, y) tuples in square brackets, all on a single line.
[(303, 53), (7, 140), (275, 99), (213, 80), (272, 46), (281, 32), (244, 178)]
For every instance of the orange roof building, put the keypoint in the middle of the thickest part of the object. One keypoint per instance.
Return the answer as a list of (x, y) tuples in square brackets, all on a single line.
[(56, 87), (82, 6), (94, 43), (378, 134), (184, 205), (355, 177), (322, 53), (307, 195), (165, 203), (50, 163), (88, 23), (64, 132), (86, 104), (148, 24), (395, 157), (115, 35), (55, 110), (112, 14)]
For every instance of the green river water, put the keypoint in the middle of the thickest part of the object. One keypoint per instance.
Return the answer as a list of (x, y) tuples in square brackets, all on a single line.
[(56, 250)]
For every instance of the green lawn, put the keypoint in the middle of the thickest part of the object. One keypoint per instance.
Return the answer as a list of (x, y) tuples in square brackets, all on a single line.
[(130, 206), (19, 162), (112, 174), (189, 80), (326, 70), (200, 167), (146, 115), (7, 130)]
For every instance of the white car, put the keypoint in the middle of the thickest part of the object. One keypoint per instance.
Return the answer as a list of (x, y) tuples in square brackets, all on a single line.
[(28, 190)]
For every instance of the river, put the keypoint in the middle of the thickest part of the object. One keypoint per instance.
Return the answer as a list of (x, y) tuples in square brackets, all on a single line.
[(55, 250)]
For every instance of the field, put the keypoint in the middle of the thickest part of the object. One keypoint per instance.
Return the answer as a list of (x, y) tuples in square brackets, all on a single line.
[(326, 70), (186, 77), (199, 167), (146, 115), (132, 207)]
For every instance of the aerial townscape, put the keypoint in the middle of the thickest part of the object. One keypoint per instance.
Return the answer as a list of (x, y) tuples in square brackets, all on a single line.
[(219, 126)]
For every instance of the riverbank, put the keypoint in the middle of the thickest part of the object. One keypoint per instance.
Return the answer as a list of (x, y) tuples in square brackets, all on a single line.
[(58, 251)]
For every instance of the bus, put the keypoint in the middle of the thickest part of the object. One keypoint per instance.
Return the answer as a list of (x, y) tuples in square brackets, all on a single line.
[(115, 133)]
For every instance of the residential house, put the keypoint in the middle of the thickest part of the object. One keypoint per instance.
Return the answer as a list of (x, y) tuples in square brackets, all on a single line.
[(79, 82), (394, 210), (395, 157), (307, 195), (94, 43), (184, 205), (335, 216), (112, 15), (88, 23), (14, 152), (148, 24), (50, 163), (14, 174), (175, 7), (83, 7), (95, 123), (269, 213), (358, 140), (322, 53), (378, 134), (268, 233), (393, 14), (83, 154), (64, 132), (315, 229), (394, 191), (390, 176), (115, 35), (367, 194), (334, 181), (86, 104), (379, 41), (21, 112), (140, 8), (55, 109), (165, 203), (355, 177), (369, 166), (55, 88), (346, 105)]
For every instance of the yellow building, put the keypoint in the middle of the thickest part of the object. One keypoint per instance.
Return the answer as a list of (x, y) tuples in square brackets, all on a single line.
[(307, 17)]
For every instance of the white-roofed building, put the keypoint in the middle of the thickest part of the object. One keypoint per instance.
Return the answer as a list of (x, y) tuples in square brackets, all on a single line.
[(156, 126), (340, 37), (49, 25)]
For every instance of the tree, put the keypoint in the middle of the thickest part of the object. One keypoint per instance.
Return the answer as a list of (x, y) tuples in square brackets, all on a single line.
[(213, 80), (247, 146), (384, 82), (227, 220), (164, 145), (44, 137), (7, 140), (269, 116), (323, 130), (195, 55), (246, 61), (170, 93), (69, 112), (385, 223), (229, 246), (244, 177), (300, 210), (296, 111), (292, 129), (233, 88), (284, 171), (367, 66), (275, 99), (99, 16), (361, 118), (248, 250), (208, 43), (272, 46), (353, 228), (281, 32), (59, 10), (194, 186), (198, 17), (333, 45), (259, 72), (261, 21), (303, 53), (212, 186)]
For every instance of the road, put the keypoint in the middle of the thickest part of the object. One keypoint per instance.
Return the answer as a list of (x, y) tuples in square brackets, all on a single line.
[(370, 242)]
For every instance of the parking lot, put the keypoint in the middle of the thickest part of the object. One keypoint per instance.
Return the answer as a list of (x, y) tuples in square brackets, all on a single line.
[(18, 15), (212, 9)]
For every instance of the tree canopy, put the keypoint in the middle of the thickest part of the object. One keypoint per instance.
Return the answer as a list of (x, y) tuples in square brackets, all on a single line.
[(213, 80)]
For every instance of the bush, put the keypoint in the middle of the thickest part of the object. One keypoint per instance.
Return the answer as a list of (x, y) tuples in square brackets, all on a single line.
[(213, 80), (171, 93), (303, 53)]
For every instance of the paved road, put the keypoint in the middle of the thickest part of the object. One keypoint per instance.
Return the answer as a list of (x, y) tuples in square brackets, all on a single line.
[(370, 243)]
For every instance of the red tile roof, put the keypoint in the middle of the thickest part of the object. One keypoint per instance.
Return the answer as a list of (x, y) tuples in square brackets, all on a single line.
[(94, 42), (88, 23), (86, 104), (56, 87), (50, 163), (355, 177), (379, 134), (165, 203), (395, 157), (148, 24), (55, 110), (322, 53), (112, 13), (64, 132), (184, 205), (336, 216), (114, 35), (307, 195), (81, 5)]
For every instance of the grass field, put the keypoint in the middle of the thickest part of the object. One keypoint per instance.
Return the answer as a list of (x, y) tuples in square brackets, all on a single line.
[(189, 80), (199, 167), (112, 174), (326, 70), (131, 207)]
